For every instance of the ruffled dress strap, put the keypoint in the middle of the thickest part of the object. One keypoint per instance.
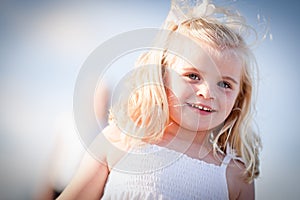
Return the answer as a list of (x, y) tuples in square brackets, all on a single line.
[(230, 155)]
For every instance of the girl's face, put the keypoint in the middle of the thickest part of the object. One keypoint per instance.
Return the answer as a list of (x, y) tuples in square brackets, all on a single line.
[(201, 97)]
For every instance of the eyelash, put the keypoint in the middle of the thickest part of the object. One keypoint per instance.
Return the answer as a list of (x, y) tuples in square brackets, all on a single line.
[(193, 76), (224, 85)]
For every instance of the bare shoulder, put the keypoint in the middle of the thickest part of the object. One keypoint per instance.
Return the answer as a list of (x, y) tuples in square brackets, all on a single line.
[(99, 147), (112, 133), (237, 186), (90, 178), (109, 146)]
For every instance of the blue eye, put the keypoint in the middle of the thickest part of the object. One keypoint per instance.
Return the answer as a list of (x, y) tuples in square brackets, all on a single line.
[(193, 76), (224, 84)]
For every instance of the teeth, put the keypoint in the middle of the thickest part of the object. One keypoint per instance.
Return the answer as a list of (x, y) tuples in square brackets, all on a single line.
[(201, 107)]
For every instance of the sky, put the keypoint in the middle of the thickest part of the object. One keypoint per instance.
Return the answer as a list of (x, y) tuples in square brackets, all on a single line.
[(45, 43)]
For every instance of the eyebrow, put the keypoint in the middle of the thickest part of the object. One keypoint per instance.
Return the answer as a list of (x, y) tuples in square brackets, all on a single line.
[(193, 69), (230, 78)]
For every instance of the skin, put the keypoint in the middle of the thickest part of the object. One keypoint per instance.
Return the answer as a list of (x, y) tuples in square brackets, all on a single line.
[(213, 82), (90, 179)]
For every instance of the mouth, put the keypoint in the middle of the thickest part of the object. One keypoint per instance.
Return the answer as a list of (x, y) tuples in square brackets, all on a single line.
[(202, 107)]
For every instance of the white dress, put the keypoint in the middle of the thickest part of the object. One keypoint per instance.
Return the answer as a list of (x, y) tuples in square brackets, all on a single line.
[(155, 172)]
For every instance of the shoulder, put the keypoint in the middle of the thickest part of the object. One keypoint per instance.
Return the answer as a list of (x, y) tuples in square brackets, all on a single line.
[(114, 138), (237, 186), (111, 133), (109, 146), (90, 178)]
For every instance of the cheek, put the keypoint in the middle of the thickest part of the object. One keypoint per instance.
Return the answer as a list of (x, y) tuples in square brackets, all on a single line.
[(176, 88), (174, 106), (173, 98), (229, 103), (226, 101), (170, 96)]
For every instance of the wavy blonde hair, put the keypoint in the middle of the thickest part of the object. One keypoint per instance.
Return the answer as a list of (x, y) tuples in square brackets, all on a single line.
[(145, 114)]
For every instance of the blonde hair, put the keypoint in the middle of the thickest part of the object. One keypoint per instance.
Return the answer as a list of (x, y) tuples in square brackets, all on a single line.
[(147, 106)]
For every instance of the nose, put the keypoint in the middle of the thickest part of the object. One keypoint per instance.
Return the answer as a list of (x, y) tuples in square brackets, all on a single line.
[(205, 91)]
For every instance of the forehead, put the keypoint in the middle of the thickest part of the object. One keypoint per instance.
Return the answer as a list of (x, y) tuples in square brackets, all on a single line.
[(210, 61), (228, 63)]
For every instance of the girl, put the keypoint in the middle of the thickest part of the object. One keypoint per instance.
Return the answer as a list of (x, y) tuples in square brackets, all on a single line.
[(182, 129)]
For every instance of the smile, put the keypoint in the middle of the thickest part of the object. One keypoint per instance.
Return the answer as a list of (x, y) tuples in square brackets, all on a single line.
[(201, 107)]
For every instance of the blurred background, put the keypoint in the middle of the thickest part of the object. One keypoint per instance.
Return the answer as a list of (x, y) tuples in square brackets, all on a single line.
[(43, 45)]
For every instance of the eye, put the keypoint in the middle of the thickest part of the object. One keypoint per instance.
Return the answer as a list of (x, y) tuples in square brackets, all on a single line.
[(224, 84), (193, 76)]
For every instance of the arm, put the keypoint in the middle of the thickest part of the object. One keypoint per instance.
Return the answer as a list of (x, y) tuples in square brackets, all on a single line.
[(88, 182), (247, 191), (237, 187), (90, 178)]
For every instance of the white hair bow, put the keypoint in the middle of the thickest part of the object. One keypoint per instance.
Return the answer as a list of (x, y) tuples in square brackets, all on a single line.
[(186, 9)]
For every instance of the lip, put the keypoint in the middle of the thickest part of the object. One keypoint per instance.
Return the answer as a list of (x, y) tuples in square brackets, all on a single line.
[(201, 108)]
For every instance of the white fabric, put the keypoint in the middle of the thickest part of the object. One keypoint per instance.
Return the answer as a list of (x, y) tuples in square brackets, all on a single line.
[(154, 172)]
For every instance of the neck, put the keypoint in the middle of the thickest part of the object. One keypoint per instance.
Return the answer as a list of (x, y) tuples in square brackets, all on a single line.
[(196, 144), (174, 132)]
